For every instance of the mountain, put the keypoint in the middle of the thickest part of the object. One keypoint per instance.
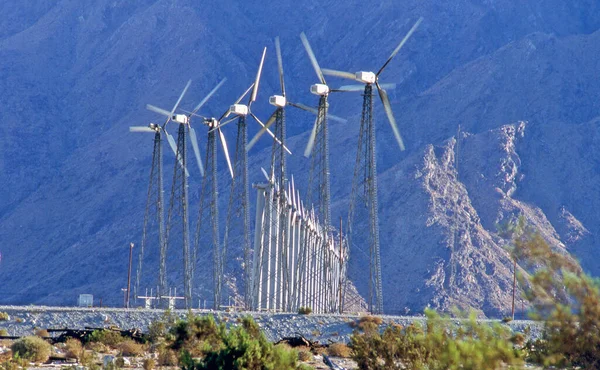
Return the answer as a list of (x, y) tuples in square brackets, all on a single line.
[(517, 77)]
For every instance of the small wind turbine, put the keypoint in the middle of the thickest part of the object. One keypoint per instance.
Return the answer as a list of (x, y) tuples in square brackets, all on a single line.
[(365, 172)]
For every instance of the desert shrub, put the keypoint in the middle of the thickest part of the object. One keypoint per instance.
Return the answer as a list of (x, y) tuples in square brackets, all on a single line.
[(4, 316), (96, 347), (305, 355), (73, 348), (367, 321), (32, 348), (339, 350), (149, 364), (441, 344), (3, 332), (107, 337), (241, 347), (130, 348), (305, 310), (42, 333), (566, 299), (167, 357), (119, 362), (19, 320)]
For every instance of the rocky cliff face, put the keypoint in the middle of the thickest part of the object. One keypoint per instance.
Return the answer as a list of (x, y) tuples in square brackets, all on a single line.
[(518, 78)]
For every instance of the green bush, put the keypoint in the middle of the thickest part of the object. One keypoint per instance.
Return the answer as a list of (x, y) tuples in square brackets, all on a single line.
[(441, 344), (566, 299), (73, 348), (4, 316), (216, 347), (107, 337), (305, 310), (32, 348), (3, 332)]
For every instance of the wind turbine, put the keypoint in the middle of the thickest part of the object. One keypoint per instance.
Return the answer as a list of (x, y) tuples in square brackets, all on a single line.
[(319, 136), (155, 198), (178, 204), (365, 171)]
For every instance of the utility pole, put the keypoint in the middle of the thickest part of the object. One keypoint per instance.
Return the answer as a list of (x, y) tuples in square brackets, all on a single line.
[(129, 276)]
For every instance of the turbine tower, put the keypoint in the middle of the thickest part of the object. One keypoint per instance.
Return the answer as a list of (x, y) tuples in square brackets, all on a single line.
[(178, 204), (319, 169), (238, 217), (364, 184), (154, 214)]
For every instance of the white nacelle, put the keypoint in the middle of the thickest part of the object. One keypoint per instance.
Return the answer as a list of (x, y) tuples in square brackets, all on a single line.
[(278, 101), (366, 77), (211, 122), (239, 109), (319, 89), (180, 118)]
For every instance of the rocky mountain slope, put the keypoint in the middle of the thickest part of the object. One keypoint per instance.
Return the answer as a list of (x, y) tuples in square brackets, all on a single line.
[(518, 78)]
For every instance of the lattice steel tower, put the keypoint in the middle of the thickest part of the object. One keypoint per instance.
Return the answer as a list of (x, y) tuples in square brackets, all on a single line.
[(364, 185)]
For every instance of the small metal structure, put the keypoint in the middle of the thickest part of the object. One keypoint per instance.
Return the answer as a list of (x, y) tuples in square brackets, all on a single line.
[(85, 300)]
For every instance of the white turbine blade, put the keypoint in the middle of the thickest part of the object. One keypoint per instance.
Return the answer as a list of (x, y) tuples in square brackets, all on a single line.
[(140, 129), (270, 133), (257, 80), (265, 174), (311, 140), (159, 110), (225, 151), (194, 140), (333, 72), (244, 94), (279, 65), (408, 35), (336, 118), (262, 131), (313, 58), (185, 89), (304, 107), (214, 90), (390, 115), (223, 124), (351, 88), (174, 148)]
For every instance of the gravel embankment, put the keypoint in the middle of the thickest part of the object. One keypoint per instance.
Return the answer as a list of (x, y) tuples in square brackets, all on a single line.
[(24, 320)]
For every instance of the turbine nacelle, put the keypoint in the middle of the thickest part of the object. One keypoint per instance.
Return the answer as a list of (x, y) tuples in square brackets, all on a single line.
[(180, 118), (278, 101), (211, 122), (154, 127), (366, 77), (239, 110), (319, 89)]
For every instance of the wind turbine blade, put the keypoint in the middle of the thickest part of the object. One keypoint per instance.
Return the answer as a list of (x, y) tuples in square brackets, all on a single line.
[(257, 80), (311, 140), (140, 129), (262, 131), (313, 59), (336, 118), (408, 35), (174, 148), (270, 133), (304, 107), (193, 114), (214, 90), (194, 140), (265, 174), (159, 110), (390, 115), (244, 94), (342, 74), (225, 151), (224, 123), (187, 86), (279, 65)]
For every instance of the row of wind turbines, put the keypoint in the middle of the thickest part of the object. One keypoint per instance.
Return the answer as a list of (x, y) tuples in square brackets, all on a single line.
[(364, 188)]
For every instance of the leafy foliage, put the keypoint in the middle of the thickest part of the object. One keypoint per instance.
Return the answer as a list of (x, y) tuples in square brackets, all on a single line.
[(442, 344), (205, 345), (566, 299), (107, 337), (32, 348)]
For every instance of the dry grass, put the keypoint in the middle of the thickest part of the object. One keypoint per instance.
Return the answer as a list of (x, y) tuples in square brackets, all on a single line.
[(365, 321), (42, 333), (73, 348), (339, 350), (4, 316), (131, 348), (304, 354)]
